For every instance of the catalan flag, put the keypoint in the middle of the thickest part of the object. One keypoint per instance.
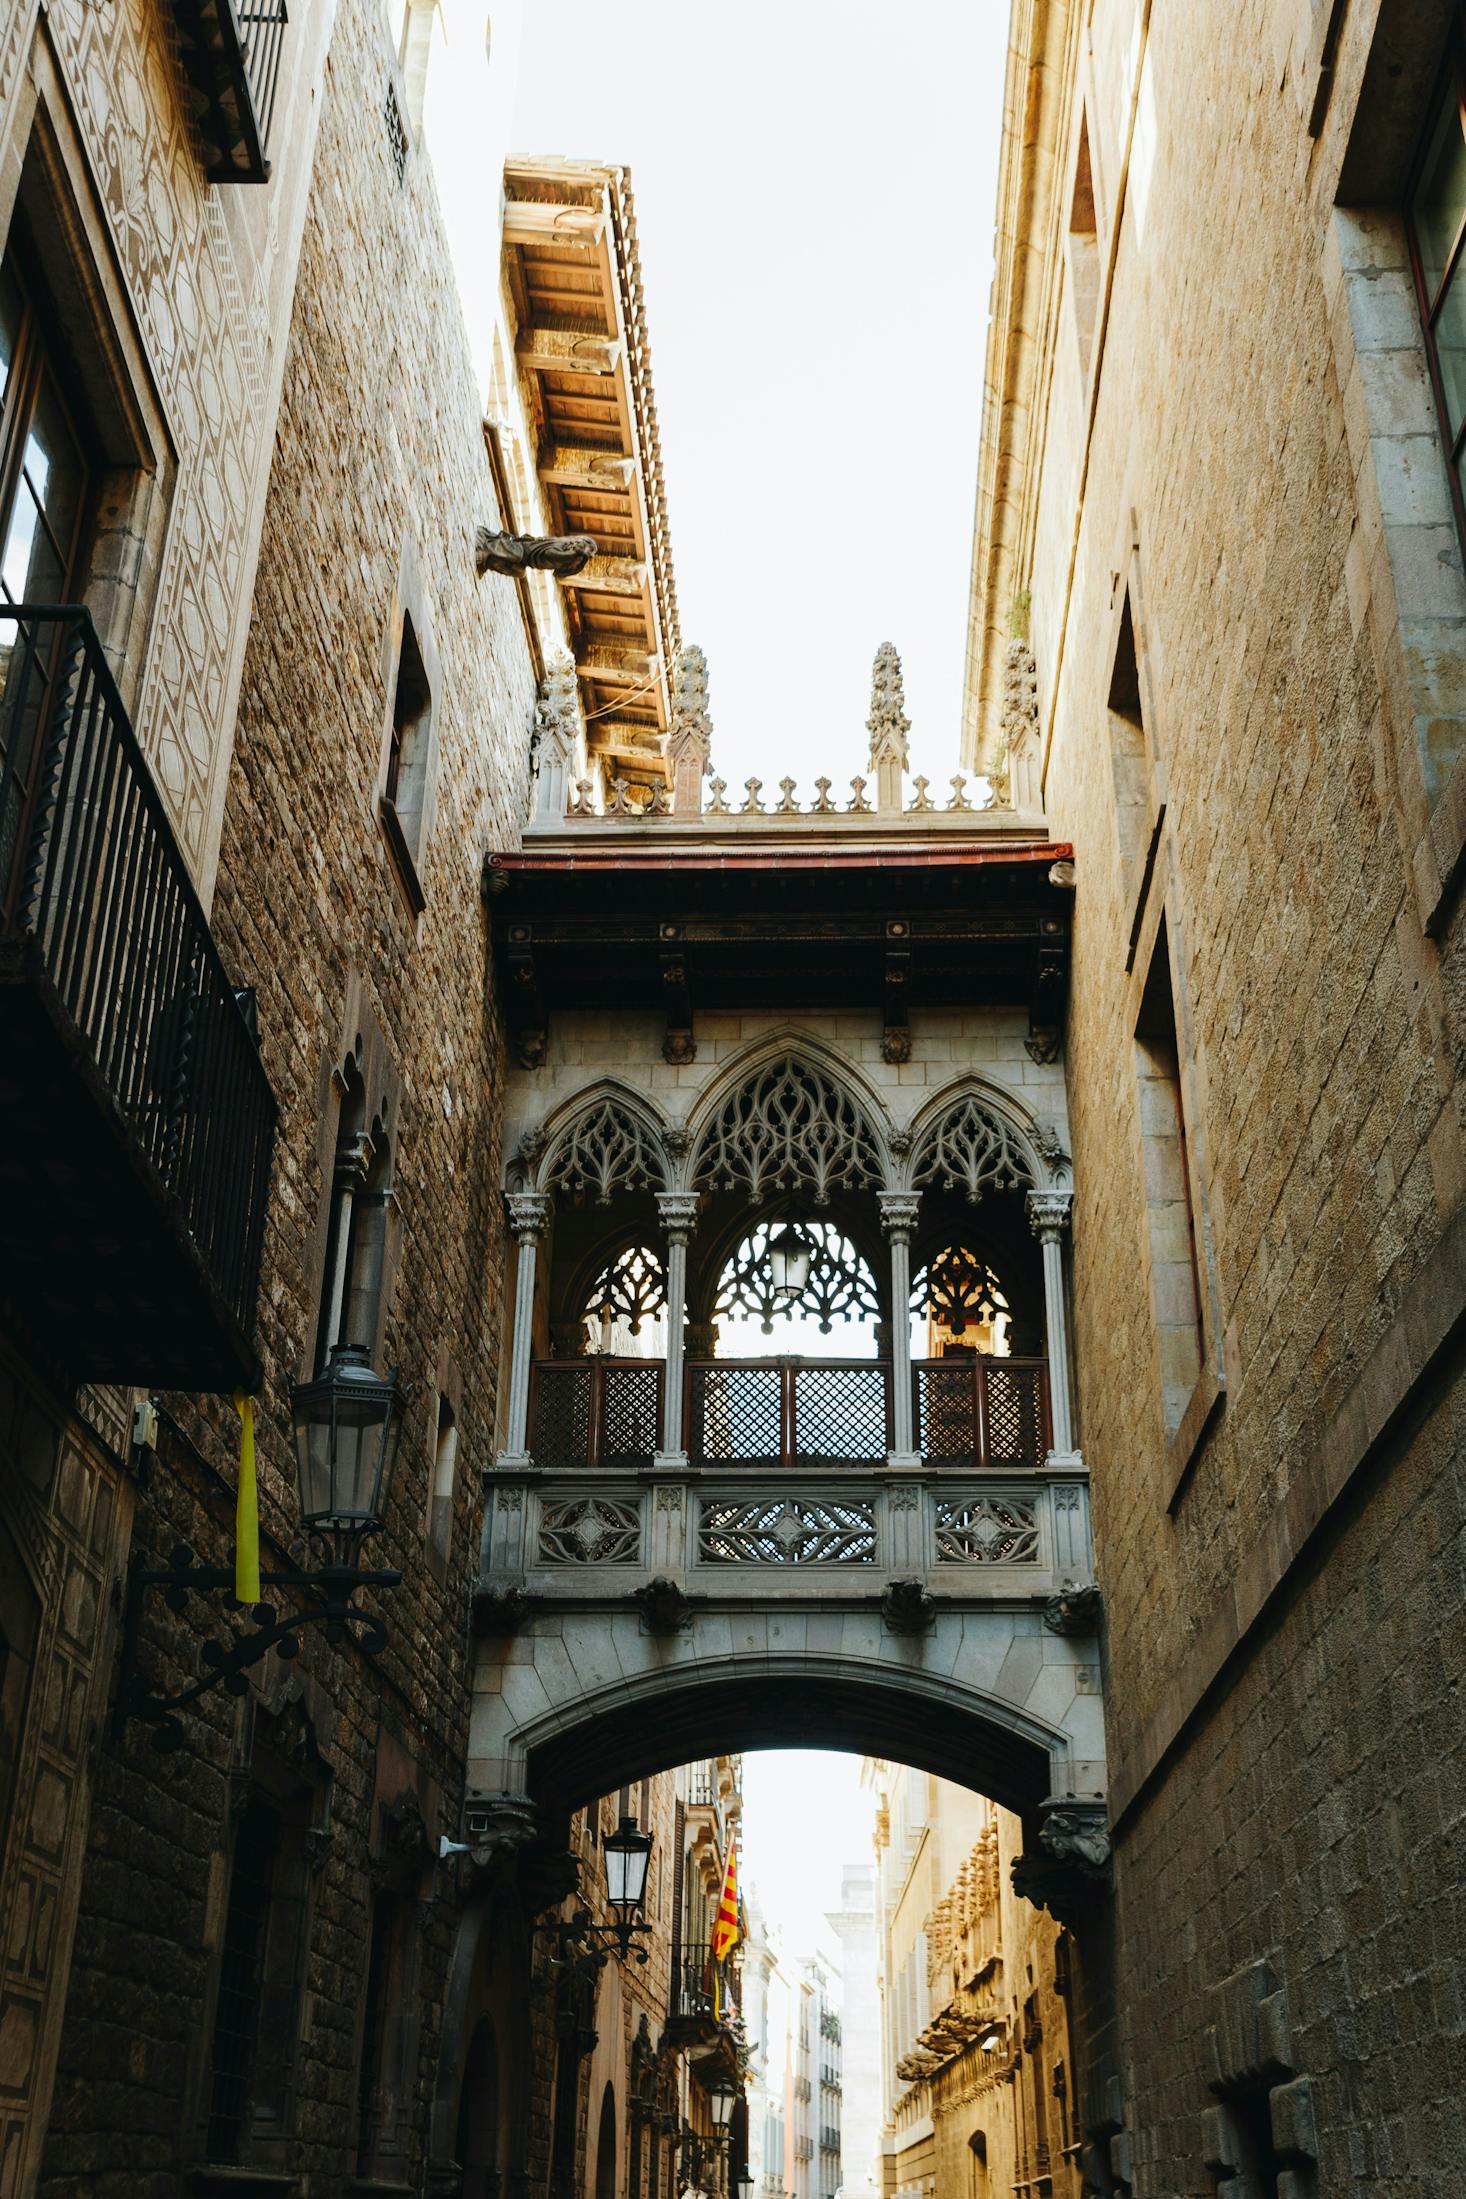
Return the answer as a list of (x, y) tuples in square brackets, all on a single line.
[(726, 1934), (246, 1508)]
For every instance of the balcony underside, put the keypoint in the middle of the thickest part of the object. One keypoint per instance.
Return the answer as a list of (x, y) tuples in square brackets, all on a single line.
[(217, 67), (99, 1274)]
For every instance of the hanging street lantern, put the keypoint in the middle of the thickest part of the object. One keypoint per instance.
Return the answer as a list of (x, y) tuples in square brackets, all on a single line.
[(722, 2099), (348, 1424), (791, 1259), (628, 1854)]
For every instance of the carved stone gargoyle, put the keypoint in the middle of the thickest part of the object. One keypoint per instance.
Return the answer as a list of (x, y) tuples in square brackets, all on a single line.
[(1077, 1609), (1070, 1867), (664, 1607), (907, 1606), (562, 554)]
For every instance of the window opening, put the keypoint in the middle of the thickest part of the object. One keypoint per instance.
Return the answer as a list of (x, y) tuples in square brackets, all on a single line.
[(1084, 271), (405, 788), (838, 1284), (445, 1466), (1175, 1273), (45, 506), (1436, 222), (356, 1235), (963, 1305), (241, 1980), (625, 1314)]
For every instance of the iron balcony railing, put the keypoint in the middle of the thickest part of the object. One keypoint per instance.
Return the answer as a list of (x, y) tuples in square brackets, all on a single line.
[(702, 1987), (976, 1414), (231, 57), (92, 883)]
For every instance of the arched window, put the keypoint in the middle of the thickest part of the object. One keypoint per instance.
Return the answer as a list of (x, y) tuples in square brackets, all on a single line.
[(605, 2187), (837, 1284), (963, 1305), (789, 1127), (625, 1311)]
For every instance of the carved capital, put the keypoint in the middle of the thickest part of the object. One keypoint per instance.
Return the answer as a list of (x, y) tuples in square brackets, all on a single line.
[(1048, 1214), (900, 1213), (529, 1215), (677, 1212)]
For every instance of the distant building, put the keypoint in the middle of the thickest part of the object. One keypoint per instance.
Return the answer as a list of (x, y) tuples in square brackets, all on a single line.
[(978, 2062), (857, 2063)]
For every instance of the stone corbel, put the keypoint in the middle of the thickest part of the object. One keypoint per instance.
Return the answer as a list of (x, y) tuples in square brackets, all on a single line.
[(896, 1034), (1070, 1868), (679, 1045)]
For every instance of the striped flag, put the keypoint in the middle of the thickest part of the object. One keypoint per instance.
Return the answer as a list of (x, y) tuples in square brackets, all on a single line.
[(726, 1934)]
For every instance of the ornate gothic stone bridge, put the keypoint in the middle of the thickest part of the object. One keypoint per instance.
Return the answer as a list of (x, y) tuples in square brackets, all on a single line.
[(745, 1039)]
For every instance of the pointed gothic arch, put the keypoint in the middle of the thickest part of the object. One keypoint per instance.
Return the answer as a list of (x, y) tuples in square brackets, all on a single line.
[(607, 1138), (972, 1137), (788, 1117)]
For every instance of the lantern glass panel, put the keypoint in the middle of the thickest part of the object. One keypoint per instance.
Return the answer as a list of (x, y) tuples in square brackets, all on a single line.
[(791, 1257)]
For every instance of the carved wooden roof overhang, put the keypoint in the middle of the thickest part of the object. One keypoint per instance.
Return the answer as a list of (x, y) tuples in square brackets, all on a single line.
[(574, 277), (888, 929)]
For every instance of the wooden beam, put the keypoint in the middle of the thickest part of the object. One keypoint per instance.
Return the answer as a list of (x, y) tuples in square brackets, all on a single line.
[(608, 576), (572, 466), (566, 351), (527, 221), (615, 667)]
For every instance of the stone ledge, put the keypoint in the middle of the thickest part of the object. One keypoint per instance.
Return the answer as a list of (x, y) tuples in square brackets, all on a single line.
[(1429, 1318)]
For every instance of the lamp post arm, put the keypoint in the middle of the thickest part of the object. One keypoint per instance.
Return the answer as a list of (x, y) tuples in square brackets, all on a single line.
[(331, 1591)]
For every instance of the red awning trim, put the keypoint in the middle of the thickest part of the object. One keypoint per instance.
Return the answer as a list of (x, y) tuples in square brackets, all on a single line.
[(1054, 851)]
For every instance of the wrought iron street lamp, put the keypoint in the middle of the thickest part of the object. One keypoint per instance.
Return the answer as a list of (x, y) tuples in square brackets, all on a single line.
[(578, 1940), (745, 2182), (348, 1424)]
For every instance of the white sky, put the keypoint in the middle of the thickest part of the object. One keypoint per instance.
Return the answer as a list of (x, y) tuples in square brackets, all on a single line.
[(805, 1817), (815, 184)]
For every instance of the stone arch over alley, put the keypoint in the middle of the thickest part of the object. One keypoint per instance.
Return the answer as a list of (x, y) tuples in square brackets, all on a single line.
[(688, 1529)]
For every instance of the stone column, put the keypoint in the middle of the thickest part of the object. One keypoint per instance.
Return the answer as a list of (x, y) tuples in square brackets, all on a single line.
[(678, 1214), (899, 1212), (529, 1218), (1048, 1216)]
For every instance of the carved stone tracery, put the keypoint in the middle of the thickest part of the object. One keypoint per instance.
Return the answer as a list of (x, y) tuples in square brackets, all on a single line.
[(971, 1149), (789, 1127), (632, 1288), (605, 1150), (840, 1285)]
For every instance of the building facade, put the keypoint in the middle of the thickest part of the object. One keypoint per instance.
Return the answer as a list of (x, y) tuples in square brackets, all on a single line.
[(1217, 612), (980, 2064)]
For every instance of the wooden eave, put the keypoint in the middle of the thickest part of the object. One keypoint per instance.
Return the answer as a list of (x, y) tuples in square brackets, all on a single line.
[(601, 925), (574, 279)]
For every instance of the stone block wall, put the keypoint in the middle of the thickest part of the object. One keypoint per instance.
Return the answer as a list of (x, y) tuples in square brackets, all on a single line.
[(1282, 1567), (379, 472)]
